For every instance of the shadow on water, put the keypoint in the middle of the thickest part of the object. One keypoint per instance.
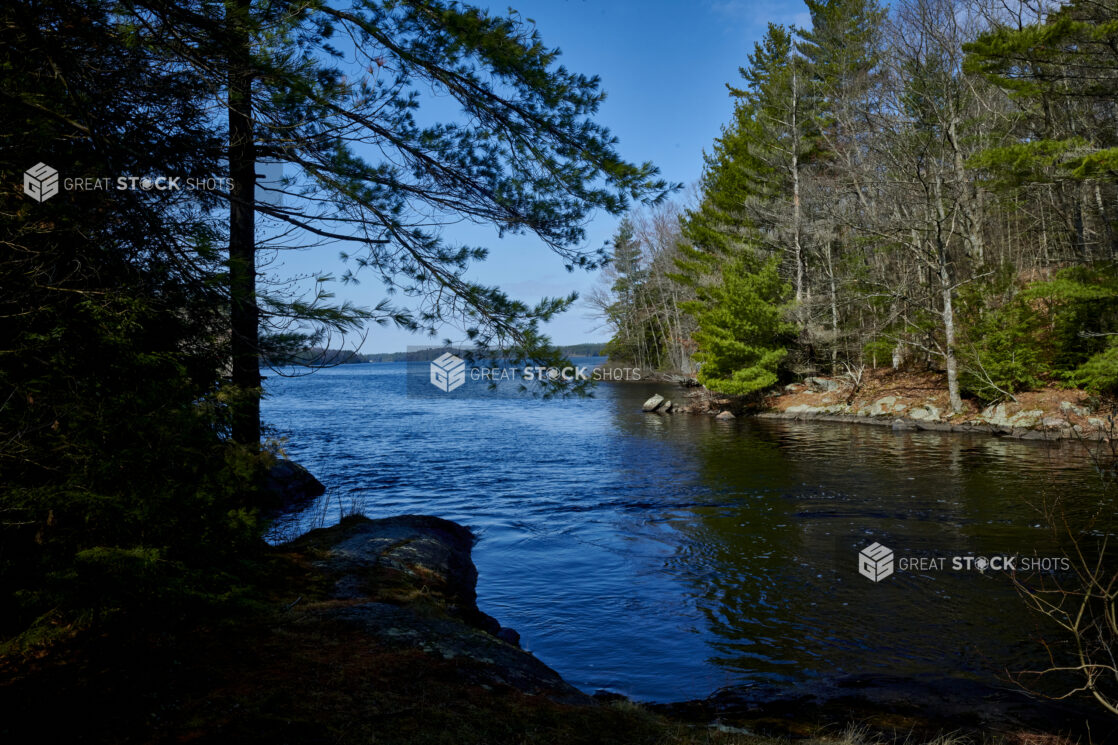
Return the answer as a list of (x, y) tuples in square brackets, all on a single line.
[(667, 557)]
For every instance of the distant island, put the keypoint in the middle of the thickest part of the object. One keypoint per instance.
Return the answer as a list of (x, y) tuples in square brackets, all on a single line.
[(317, 357)]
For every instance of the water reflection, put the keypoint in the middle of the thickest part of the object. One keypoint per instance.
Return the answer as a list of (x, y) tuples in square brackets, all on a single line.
[(772, 565)]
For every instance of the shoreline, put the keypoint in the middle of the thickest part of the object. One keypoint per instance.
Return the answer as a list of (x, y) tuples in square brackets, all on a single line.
[(375, 567), (906, 424), (369, 630), (908, 402)]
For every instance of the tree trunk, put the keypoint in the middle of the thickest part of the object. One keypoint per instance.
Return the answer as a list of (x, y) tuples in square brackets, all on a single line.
[(834, 309), (243, 311), (797, 246), (949, 337)]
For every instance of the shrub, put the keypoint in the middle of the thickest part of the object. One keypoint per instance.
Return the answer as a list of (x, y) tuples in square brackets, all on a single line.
[(1099, 374), (1001, 354)]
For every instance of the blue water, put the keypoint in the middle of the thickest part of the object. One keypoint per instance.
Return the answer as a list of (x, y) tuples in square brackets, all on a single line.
[(665, 557)]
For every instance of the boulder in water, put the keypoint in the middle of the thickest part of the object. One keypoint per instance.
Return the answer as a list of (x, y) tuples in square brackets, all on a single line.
[(288, 486)]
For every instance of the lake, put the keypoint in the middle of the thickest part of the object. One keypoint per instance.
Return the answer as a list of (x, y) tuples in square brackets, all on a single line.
[(667, 557)]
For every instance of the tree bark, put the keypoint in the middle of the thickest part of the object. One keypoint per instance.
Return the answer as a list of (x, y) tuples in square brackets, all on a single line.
[(244, 314), (797, 245), (949, 336)]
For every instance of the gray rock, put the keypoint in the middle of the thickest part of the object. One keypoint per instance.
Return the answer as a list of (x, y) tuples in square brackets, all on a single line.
[(653, 403), (288, 486), (1026, 419), (434, 550), (433, 556), (883, 405), (725, 415), (925, 413), (1054, 422), (1069, 408), (665, 408), (822, 384), (996, 416), (903, 425)]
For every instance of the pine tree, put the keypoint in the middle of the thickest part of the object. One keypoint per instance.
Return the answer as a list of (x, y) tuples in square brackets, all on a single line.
[(118, 480), (625, 312), (366, 171), (1063, 74), (752, 207), (779, 125), (742, 333), (842, 52)]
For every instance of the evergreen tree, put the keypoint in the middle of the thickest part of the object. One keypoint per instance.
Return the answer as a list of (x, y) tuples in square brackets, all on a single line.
[(742, 334), (624, 313), (524, 153), (1063, 74), (752, 205), (118, 481)]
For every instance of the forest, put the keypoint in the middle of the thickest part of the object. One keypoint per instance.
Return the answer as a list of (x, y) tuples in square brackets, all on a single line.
[(929, 186)]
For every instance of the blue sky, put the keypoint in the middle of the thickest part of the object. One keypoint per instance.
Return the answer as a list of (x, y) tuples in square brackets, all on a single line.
[(664, 65)]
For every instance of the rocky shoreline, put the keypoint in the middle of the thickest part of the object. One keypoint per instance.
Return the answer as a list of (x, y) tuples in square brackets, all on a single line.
[(409, 581), (369, 631), (909, 403)]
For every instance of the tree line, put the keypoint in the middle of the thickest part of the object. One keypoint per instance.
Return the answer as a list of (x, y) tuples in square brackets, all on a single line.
[(929, 185)]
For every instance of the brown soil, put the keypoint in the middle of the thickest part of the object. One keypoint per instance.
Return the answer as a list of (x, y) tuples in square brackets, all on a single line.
[(915, 387)]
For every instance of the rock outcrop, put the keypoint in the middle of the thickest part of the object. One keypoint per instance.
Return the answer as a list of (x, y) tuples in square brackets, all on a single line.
[(907, 402), (410, 581)]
